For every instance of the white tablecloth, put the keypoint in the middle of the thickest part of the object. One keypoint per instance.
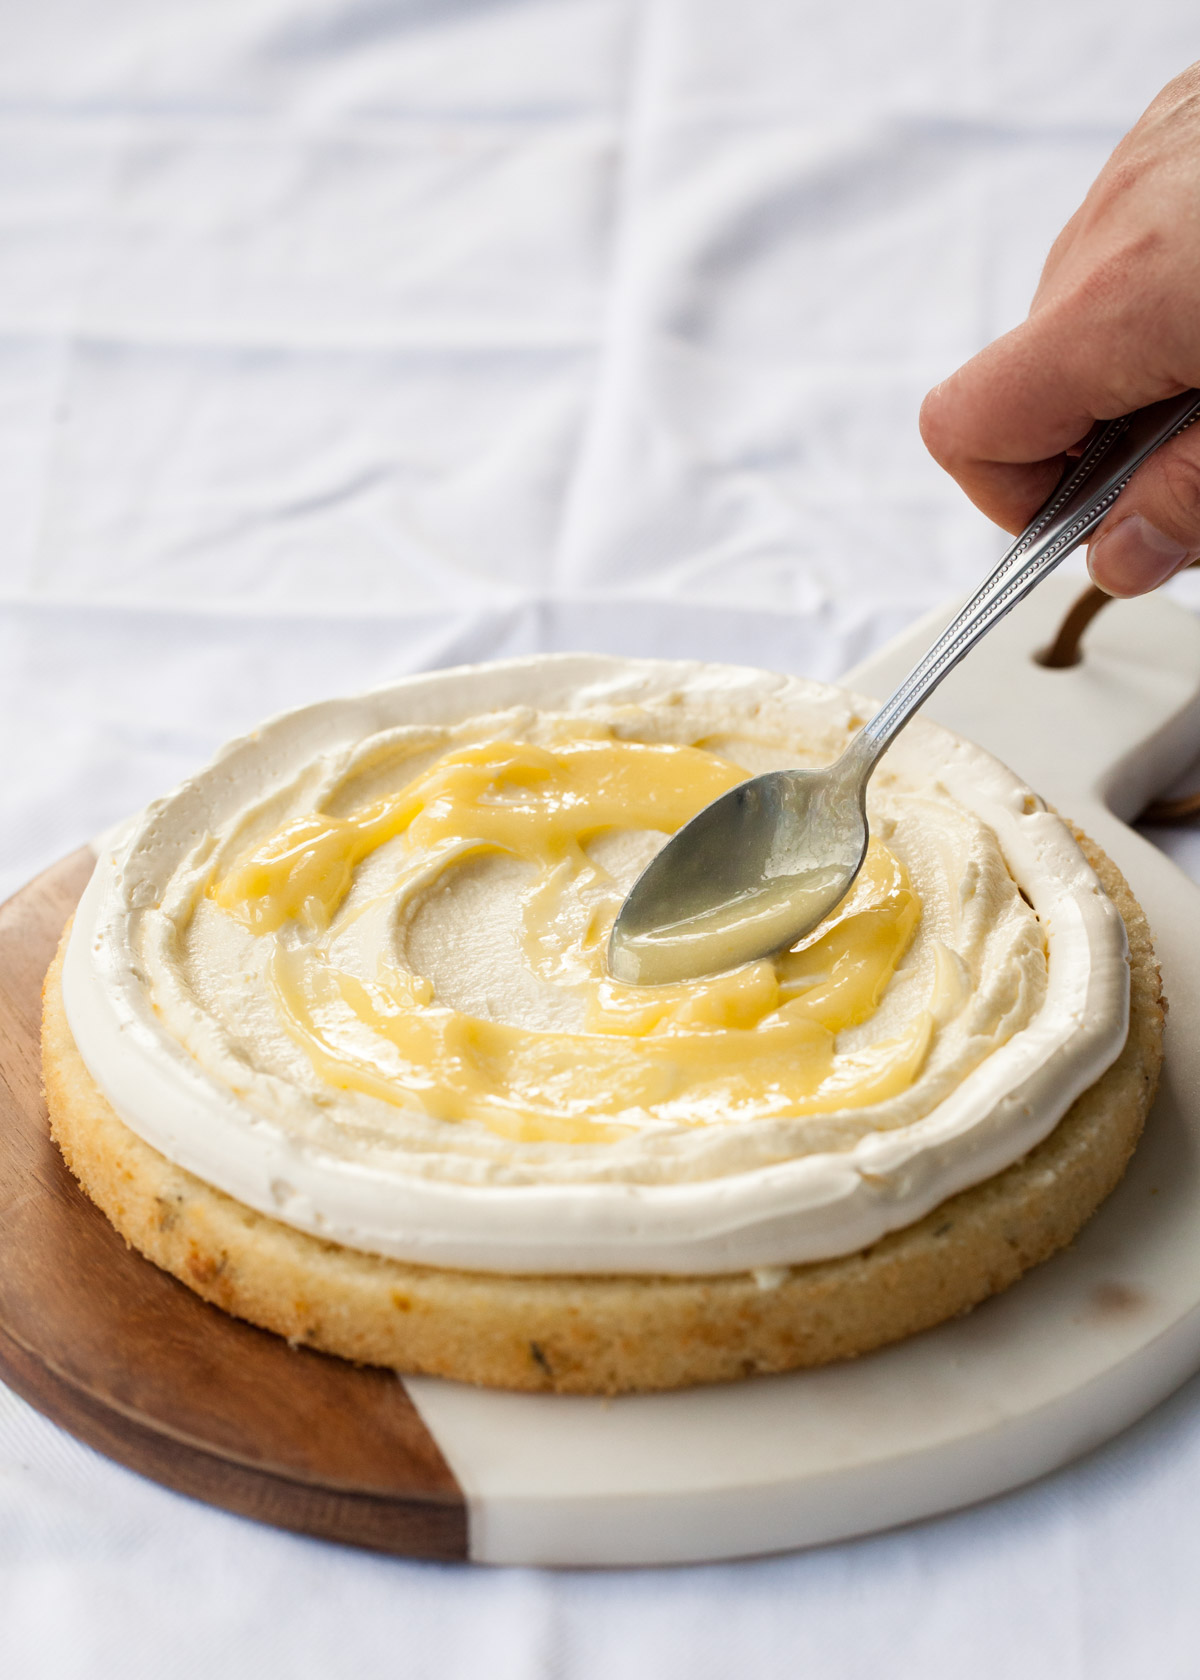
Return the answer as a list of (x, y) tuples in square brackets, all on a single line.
[(341, 338)]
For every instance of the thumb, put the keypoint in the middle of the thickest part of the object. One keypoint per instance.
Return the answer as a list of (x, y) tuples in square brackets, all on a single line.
[(1154, 529)]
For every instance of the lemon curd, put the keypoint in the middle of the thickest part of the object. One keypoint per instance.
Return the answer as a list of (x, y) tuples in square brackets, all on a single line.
[(756, 1043)]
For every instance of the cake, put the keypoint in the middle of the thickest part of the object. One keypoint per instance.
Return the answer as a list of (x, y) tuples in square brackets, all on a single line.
[(332, 1039)]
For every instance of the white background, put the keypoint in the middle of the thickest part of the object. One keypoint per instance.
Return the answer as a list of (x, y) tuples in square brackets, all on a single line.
[(342, 338)]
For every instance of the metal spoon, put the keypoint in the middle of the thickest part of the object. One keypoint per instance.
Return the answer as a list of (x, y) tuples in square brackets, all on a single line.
[(759, 868)]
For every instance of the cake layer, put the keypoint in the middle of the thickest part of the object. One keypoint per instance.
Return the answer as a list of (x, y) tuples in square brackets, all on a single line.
[(352, 975)]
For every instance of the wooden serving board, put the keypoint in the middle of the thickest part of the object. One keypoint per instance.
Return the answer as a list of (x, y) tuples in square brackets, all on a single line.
[(133, 1363)]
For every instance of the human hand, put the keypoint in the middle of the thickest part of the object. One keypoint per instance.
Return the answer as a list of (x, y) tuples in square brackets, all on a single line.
[(1114, 325)]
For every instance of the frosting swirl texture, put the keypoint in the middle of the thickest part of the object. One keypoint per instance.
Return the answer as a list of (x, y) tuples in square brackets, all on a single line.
[(353, 975)]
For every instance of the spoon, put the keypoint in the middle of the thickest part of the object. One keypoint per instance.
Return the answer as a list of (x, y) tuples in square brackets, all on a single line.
[(758, 868)]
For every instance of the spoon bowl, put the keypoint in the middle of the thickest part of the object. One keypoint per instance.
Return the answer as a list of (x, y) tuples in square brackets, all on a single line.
[(751, 873)]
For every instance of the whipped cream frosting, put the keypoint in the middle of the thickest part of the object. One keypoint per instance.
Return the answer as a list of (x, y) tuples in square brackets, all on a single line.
[(1013, 988)]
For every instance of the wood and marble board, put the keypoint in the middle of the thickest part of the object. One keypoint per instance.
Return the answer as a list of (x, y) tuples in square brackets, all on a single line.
[(128, 1360)]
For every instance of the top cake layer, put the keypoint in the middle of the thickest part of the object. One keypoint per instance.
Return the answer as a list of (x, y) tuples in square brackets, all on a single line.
[(353, 974)]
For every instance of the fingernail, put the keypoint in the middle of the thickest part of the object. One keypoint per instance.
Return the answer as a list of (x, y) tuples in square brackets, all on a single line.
[(1133, 556)]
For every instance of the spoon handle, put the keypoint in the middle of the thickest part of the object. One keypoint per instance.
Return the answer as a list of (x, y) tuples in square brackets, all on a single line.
[(1084, 495)]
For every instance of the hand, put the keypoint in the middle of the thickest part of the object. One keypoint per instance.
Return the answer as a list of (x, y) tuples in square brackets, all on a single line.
[(1114, 325)]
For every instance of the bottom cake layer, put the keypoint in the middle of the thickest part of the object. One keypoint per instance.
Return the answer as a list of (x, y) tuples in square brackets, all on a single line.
[(589, 1335)]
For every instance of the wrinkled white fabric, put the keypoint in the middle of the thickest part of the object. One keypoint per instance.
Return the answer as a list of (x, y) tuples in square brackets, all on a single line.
[(343, 338)]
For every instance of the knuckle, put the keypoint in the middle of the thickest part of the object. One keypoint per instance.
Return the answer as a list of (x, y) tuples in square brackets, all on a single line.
[(1115, 287)]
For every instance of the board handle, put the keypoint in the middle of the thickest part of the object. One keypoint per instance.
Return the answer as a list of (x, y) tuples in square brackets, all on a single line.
[(1066, 650)]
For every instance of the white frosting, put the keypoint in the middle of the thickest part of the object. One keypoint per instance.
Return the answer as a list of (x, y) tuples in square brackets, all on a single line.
[(165, 998)]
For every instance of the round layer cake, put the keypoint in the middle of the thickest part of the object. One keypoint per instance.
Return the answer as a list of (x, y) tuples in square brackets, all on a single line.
[(333, 1040)]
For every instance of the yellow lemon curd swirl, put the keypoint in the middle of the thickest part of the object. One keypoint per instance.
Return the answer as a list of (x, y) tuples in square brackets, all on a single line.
[(757, 1042)]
